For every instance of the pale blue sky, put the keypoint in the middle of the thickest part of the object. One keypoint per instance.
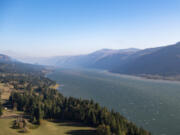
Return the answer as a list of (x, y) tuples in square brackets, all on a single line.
[(68, 27)]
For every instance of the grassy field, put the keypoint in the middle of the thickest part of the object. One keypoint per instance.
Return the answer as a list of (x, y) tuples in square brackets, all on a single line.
[(47, 128)]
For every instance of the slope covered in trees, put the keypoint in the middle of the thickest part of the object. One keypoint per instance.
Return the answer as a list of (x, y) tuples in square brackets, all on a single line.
[(10, 65), (18, 67)]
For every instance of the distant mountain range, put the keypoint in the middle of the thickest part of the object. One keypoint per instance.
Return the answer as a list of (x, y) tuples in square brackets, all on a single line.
[(102, 59), (164, 61)]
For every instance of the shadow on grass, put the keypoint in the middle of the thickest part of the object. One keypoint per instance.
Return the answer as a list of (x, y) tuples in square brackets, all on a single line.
[(69, 123), (23, 132), (72, 124), (82, 132), (75, 124)]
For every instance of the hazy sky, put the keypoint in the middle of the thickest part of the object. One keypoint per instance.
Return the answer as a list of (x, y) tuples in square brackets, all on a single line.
[(61, 27)]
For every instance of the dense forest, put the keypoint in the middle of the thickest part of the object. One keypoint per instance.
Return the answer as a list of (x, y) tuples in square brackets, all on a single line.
[(34, 95)]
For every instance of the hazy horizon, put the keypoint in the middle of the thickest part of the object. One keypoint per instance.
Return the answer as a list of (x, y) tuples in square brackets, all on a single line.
[(23, 56), (42, 28)]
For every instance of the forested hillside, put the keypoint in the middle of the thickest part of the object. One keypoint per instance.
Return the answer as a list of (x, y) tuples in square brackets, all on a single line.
[(19, 67)]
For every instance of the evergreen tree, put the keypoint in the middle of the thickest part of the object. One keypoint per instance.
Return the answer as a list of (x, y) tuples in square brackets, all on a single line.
[(103, 130), (38, 115)]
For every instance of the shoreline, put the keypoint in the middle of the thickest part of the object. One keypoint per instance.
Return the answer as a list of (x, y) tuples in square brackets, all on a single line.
[(146, 77), (57, 85)]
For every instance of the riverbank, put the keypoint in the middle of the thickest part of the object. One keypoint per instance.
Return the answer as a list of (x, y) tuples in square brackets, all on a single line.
[(56, 86), (150, 77)]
